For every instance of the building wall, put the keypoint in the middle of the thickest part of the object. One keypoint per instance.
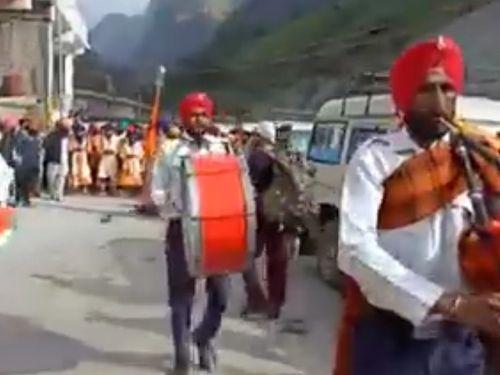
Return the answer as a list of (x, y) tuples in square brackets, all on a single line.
[(22, 58), (16, 5), (104, 109)]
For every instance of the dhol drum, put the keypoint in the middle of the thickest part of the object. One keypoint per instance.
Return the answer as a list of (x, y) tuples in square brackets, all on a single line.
[(7, 198), (7, 223), (219, 219)]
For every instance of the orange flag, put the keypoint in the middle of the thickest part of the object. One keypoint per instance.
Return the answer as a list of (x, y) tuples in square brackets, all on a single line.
[(151, 141)]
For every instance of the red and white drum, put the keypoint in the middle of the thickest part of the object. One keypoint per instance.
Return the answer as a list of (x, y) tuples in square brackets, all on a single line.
[(7, 220), (219, 220)]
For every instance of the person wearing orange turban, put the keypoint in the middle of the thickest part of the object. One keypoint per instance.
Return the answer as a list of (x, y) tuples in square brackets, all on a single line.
[(436, 64), (403, 211), (196, 111), (194, 104), (190, 109), (441, 55)]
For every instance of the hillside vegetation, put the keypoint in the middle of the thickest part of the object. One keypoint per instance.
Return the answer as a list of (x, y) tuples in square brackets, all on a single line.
[(306, 60), (265, 54)]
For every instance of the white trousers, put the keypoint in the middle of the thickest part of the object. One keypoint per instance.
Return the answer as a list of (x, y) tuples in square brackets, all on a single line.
[(56, 179)]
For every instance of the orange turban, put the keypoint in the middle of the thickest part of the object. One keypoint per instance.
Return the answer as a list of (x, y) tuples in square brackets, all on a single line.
[(195, 101), (411, 69)]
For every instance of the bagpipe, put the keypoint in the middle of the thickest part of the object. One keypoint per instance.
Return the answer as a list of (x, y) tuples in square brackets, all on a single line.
[(479, 245)]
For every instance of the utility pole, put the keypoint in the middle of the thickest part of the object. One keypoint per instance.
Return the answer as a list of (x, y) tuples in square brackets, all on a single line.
[(49, 72), (60, 63), (152, 143)]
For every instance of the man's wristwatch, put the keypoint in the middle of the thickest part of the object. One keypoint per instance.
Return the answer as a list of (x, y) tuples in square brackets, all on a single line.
[(448, 305)]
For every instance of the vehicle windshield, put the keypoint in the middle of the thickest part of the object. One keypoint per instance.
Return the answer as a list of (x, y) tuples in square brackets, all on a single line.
[(360, 136), (326, 144), (300, 140)]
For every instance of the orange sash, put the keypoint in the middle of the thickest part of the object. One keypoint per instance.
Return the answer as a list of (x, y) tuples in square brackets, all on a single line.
[(426, 183)]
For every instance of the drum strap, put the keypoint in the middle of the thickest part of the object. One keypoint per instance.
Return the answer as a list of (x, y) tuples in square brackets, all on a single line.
[(170, 161)]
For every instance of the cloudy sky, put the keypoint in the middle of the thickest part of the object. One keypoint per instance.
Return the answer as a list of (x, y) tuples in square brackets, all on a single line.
[(94, 10)]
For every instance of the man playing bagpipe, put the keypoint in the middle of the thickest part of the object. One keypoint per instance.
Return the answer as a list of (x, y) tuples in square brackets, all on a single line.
[(407, 225)]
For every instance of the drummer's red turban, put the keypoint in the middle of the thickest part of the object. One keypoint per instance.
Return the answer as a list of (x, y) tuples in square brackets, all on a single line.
[(195, 101), (411, 69)]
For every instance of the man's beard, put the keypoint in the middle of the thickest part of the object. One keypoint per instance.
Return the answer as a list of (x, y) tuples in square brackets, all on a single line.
[(425, 127), (196, 130)]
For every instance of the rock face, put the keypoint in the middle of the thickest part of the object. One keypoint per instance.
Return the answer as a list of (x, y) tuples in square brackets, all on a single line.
[(172, 30), (203, 36), (167, 32), (116, 38)]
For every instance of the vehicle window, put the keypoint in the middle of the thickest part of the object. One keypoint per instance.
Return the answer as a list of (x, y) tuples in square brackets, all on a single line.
[(326, 143), (360, 136), (299, 141)]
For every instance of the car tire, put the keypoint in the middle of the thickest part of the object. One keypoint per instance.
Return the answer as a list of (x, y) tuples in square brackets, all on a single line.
[(327, 255)]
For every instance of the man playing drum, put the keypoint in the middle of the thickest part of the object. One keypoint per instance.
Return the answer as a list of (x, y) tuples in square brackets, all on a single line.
[(404, 209), (196, 112)]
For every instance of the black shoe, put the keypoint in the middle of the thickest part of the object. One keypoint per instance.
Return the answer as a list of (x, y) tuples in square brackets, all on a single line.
[(179, 371), (254, 313), (182, 366), (207, 357), (274, 312)]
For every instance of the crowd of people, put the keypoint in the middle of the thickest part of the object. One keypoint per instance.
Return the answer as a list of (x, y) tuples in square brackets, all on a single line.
[(73, 157), (421, 268)]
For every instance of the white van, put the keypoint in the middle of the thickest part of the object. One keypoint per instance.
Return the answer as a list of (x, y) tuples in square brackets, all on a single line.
[(301, 136), (341, 125)]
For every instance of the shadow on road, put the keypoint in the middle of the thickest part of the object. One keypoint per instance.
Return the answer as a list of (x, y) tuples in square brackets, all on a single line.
[(142, 264), (26, 348)]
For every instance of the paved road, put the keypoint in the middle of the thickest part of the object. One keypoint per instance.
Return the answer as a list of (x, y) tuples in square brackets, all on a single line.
[(84, 297)]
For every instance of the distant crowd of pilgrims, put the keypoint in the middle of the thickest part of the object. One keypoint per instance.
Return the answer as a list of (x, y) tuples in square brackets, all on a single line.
[(105, 157), (79, 156)]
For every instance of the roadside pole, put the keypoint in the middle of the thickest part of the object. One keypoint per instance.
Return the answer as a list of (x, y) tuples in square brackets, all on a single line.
[(146, 204), (49, 68)]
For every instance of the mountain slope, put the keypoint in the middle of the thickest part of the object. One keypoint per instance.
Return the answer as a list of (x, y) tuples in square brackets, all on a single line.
[(256, 19), (174, 30), (94, 11), (103, 38), (168, 31), (306, 60), (264, 55)]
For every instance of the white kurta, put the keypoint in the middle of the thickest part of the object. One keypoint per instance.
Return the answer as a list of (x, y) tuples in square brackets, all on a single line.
[(6, 180), (108, 165), (403, 270), (166, 184)]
